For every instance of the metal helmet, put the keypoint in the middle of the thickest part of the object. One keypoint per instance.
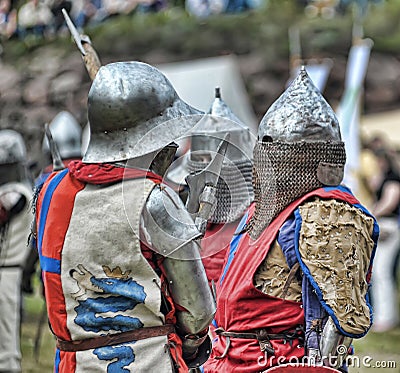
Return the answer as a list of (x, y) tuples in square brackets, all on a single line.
[(134, 110), (12, 157), (85, 138), (299, 149), (234, 189), (300, 114), (12, 147), (67, 133), (207, 135)]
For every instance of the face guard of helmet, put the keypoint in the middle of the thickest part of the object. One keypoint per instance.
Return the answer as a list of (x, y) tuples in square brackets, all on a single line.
[(234, 190), (299, 149), (66, 133), (133, 111), (12, 157)]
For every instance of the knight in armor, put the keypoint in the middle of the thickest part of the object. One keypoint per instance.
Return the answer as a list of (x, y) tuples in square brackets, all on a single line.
[(66, 133), (234, 189), (124, 283), (295, 281), (15, 222)]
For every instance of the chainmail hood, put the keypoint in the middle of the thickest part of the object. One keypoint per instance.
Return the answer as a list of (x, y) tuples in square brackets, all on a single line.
[(284, 172), (299, 149), (234, 189)]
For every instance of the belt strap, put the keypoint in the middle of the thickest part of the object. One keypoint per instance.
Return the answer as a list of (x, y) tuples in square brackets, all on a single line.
[(262, 336), (114, 339)]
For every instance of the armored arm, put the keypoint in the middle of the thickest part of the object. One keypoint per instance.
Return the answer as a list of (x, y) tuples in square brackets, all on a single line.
[(171, 232), (335, 251)]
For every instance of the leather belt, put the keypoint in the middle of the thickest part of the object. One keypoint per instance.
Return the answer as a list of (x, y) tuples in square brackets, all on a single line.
[(114, 339), (263, 338)]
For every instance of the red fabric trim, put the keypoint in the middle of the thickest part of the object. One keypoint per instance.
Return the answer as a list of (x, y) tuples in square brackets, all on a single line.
[(213, 248), (103, 173), (49, 169), (67, 362), (176, 352), (57, 223)]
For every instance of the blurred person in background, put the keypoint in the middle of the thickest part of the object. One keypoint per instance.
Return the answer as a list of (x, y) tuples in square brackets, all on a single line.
[(15, 223), (386, 184), (8, 19), (56, 6), (35, 18)]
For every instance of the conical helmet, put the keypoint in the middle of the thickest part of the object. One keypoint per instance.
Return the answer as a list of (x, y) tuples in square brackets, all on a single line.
[(299, 149), (300, 114), (66, 133), (134, 110)]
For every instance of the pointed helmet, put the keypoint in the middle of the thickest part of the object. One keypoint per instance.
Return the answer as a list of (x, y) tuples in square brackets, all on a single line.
[(299, 149)]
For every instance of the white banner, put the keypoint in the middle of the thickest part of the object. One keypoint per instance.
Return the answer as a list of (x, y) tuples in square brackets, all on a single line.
[(348, 111)]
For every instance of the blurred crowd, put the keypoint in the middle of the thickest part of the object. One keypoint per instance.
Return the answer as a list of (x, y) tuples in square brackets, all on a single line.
[(44, 17)]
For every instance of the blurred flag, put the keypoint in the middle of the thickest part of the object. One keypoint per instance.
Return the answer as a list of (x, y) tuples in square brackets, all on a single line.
[(348, 111)]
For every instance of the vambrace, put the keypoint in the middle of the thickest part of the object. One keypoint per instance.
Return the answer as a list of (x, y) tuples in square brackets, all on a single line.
[(171, 232), (334, 346)]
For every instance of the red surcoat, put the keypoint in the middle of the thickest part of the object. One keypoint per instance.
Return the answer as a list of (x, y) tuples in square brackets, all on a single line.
[(243, 308)]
